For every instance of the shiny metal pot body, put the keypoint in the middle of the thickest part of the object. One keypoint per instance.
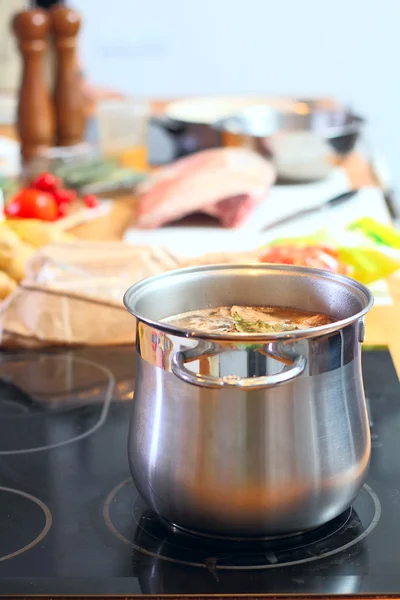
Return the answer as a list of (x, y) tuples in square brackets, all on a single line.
[(249, 436)]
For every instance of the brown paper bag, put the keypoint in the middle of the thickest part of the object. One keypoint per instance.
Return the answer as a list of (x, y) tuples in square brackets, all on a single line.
[(72, 295)]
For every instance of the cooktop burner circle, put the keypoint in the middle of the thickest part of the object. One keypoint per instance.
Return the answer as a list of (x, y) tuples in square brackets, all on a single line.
[(133, 523), (26, 419), (26, 522)]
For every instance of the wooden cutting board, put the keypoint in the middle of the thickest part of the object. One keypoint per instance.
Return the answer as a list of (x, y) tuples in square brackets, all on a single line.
[(111, 226)]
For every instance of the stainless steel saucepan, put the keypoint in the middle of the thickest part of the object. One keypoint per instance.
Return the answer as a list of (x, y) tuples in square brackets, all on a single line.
[(248, 436), (302, 142)]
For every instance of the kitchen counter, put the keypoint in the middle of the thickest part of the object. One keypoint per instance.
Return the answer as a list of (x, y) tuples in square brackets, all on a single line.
[(383, 322)]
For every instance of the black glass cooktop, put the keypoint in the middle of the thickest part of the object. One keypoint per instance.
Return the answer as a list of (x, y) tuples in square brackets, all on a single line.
[(72, 523)]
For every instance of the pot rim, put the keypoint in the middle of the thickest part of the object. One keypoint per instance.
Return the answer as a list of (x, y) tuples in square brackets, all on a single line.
[(140, 286)]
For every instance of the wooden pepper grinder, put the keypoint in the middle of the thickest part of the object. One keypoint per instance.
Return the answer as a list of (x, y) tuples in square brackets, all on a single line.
[(35, 117), (68, 95)]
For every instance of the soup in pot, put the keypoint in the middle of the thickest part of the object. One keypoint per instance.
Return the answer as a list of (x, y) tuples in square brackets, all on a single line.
[(247, 319)]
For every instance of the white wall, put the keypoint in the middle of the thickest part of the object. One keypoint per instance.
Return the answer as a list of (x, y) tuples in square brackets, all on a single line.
[(347, 48)]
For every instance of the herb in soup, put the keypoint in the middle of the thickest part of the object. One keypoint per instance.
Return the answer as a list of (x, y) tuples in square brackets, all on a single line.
[(247, 319)]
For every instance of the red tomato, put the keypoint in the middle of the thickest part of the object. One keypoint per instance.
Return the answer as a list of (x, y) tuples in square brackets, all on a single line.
[(91, 201), (32, 204), (63, 209), (46, 182), (319, 257), (62, 196)]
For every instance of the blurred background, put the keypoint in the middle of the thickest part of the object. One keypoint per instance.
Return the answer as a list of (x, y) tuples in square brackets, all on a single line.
[(166, 49), (346, 49), (195, 132), (297, 101)]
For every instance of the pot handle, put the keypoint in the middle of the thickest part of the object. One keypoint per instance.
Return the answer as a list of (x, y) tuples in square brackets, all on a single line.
[(288, 373)]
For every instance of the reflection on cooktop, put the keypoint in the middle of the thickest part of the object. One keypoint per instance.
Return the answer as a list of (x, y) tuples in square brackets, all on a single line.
[(154, 539), (36, 392), (14, 401)]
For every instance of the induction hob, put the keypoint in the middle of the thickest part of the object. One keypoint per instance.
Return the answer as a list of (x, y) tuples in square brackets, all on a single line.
[(72, 522)]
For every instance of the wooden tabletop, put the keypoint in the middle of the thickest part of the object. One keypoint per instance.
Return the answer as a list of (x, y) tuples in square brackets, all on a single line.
[(382, 323)]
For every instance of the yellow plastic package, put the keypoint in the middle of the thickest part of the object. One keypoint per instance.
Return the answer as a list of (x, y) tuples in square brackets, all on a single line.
[(365, 250)]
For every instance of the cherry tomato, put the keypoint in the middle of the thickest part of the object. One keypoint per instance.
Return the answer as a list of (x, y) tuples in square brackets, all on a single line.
[(91, 201), (62, 196), (46, 182), (63, 209), (32, 204)]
